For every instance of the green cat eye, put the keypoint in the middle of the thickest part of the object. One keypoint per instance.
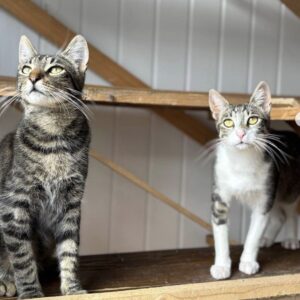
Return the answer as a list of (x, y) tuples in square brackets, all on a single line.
[(252, 120), (26, 70), (228, 123), (55, 70)]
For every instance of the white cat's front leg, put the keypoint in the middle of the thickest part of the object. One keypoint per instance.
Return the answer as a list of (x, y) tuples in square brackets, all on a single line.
[(248, 261), (222, 266)]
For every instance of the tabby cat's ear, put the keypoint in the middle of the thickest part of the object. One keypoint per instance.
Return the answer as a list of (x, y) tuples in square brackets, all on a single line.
[(78, 52), (262, 97), (217, 103), (26, 50)]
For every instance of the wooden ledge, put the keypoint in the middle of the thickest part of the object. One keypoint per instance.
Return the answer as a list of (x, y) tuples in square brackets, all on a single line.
[(183, 274), (284, 108)]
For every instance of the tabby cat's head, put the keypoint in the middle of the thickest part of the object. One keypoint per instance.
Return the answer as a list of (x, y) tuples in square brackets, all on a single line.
[(47, 80), (242, 125)]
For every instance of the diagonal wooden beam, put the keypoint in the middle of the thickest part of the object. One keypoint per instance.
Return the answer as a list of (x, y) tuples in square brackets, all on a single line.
[(56, 32), (293, 5)]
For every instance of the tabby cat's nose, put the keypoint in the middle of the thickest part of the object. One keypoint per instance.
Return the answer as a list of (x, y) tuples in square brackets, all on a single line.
[(35, 75)]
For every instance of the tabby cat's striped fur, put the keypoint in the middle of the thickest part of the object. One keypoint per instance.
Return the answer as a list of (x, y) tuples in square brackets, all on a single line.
[(43, 168)]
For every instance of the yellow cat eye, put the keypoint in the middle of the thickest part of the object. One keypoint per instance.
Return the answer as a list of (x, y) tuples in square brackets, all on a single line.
[(26, 70), (55, 70), (228, 123), (252, 120)]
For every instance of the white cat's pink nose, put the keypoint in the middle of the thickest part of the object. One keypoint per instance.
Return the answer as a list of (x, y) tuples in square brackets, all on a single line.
[(240, 133)]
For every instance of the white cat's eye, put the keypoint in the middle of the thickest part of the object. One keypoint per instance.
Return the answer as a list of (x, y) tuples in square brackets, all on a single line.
[(228, 123), (26, 70), (56, 70), (252, 120)]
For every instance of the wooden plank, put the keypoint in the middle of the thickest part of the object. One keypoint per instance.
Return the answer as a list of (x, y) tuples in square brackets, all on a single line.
[(284, 108), (181, 274), (293, 5), (53, 30), (252, 288)]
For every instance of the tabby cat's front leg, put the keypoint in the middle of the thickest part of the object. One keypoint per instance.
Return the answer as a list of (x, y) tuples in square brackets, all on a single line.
[(248, 262), (67, 239), (16, 229), (222, 266)]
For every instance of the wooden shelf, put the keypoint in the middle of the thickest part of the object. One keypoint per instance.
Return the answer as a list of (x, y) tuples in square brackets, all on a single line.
[(284, 108), (183, 274)]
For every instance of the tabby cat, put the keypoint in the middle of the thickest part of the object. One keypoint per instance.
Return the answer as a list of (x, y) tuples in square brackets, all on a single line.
[(258, 167), (43, 168)]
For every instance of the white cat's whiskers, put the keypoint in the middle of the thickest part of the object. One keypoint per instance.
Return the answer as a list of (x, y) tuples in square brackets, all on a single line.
[(283, 156), (209, 151)]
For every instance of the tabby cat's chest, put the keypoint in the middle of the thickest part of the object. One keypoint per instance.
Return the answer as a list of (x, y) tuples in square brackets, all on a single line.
[(241, 171)]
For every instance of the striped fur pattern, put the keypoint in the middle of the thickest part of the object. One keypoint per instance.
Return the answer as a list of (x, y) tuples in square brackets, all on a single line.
[(44, 165), (258, 167)]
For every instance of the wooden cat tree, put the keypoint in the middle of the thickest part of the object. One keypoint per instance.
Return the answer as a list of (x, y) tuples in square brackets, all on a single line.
[(171, 274)]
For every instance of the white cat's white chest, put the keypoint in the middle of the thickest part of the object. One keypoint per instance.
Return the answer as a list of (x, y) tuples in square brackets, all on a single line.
[(241, 171)]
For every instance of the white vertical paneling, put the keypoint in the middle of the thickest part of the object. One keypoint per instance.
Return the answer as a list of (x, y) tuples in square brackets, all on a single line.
[(183, 44), (265, 41), (165, 174), (132, 128), (100, 25), (235, 45), (10, 43), (205, 44), (128, 203), (172, 29), (291, 54), (196, 194), (102, 17), (137, 29)]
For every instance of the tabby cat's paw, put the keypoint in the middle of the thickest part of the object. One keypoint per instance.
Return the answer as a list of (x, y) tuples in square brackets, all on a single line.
[(265, 242), (220, 272), (292, 244), (7, 288), (249, 267)]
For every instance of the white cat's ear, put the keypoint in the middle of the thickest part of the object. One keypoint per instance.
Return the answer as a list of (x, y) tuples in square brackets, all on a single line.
[(26, 50), (217, 103), (262, 97), (78, 52)]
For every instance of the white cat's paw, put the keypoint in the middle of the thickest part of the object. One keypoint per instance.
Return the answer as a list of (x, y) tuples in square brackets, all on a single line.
[(220, 272), (265, 242), (249, 267), (292, 244)]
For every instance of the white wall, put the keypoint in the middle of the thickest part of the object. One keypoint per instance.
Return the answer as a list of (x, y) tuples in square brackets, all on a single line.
[(180, 45)]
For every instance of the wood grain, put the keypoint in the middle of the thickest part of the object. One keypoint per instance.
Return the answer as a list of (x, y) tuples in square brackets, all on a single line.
[(284, 108), (57, 33), (183, 274)]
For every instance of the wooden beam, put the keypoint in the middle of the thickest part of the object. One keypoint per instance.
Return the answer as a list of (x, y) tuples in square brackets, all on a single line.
[(56, 32), (247, 288), (293, 5), (144, 185), (284, 108)]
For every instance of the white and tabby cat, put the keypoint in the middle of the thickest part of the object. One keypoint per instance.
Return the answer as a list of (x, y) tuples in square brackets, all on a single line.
[(255, 166)]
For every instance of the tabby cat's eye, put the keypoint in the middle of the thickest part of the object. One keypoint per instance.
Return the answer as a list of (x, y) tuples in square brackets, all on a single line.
[(228, 123), (252, 120), (26, 70), (55, 70)]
